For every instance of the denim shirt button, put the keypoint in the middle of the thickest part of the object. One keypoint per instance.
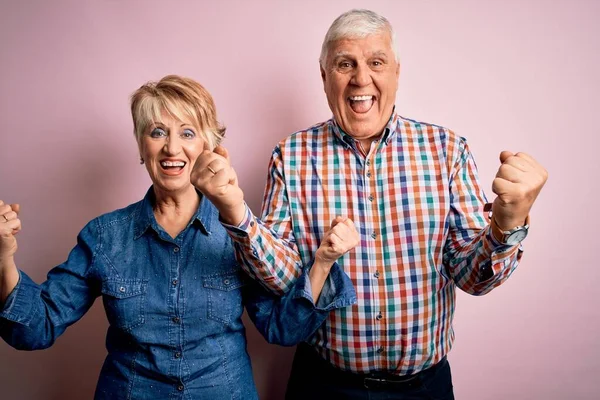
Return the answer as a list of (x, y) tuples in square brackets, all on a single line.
[(122, 289), (174, 282), (177, 355), (176, 250), (226, 281), (176, 320), (180, 388)]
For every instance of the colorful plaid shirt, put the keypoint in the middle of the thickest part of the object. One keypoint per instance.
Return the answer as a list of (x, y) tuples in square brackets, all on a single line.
[(417, 203)]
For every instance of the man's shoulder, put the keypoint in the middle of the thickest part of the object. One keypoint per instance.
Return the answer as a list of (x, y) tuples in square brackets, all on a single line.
[(314, 133), (416, 127)]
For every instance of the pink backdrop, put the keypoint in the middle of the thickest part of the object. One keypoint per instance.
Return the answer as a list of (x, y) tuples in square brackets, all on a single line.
[(517, 75)]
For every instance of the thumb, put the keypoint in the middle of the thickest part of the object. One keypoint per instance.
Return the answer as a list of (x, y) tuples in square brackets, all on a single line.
[(504, 156), (16, 207), (336, 221), (222, 151)]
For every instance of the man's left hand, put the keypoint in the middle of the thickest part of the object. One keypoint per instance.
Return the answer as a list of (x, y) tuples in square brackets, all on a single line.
[(518, 182)]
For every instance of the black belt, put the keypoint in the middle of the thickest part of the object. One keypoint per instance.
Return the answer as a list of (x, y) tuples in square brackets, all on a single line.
[(372, 381)]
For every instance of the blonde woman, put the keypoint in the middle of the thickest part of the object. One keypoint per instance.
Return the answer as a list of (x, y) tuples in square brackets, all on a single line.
[(165, 269)]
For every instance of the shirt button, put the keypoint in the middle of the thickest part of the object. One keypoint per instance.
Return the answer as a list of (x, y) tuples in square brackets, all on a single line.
[(379, 316), (376, 274), (226, 281), (368, 162), (380, 349), (373, 235), (176, 320), (122, 289), (174, 282), (180, 388), (176, 250), (371, 198), (252, 223), (368, 174), (177, 355)]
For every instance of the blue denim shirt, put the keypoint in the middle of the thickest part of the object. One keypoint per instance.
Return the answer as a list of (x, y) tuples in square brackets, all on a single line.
[(174, 306)]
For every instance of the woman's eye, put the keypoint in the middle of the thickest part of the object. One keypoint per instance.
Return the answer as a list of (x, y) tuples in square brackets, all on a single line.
[(188, 133), (157, 132)]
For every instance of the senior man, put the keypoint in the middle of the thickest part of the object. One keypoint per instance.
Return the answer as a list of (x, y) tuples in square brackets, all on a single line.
[(411, 193)]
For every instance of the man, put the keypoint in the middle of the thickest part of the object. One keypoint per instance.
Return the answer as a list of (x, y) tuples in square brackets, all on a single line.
[(412, 190)]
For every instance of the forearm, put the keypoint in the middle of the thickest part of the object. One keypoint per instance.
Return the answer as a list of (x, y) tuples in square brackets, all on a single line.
[(318, 275), (9, 277), (271, 259)]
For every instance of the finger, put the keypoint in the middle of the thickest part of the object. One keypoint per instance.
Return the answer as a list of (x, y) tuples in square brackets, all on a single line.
[(9, 215), (519, 163), (16, 207), (533, 163), (1, 203), (504, 155), (510, 173), (7, 228), (5, 208), (502, 186), (222, 151)]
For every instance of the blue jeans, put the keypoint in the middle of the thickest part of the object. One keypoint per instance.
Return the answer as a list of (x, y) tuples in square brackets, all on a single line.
[(314, 378)]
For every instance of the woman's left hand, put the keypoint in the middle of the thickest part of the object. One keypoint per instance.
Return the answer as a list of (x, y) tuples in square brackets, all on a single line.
[(214, 176)]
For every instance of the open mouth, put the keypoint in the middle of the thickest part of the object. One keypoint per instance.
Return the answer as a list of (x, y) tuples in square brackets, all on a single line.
[(172, 167), (361, 104)]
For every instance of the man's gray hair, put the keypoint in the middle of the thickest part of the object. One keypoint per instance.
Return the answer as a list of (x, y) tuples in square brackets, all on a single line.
[(357, 23)]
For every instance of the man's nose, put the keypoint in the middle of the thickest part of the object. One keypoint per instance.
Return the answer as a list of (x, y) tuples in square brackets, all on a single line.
[(362, 75)]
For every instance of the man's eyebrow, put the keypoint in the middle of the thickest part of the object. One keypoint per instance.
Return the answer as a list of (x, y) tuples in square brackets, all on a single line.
[(341, 54), (379, 53)]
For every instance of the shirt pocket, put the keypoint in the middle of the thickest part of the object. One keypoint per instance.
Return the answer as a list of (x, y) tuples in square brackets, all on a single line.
[(124, 301), (224, 297)]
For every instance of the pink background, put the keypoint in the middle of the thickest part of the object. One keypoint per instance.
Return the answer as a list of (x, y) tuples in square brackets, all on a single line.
[(517, 75)]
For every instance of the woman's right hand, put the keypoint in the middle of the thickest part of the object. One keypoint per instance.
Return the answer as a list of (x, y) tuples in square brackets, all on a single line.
[(10, 225)]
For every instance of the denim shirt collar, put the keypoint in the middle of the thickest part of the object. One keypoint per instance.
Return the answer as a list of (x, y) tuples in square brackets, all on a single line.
[(388, 132), (146, 218)]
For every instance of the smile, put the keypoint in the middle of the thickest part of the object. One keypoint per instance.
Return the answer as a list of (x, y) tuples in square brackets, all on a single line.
[(172, 167), (361, 104)]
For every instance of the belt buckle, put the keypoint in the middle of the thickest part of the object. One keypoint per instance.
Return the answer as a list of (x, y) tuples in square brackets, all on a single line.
[(375, 382)]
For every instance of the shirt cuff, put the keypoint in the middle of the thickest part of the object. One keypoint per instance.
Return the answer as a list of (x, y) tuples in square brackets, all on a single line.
[(18, 306), (338, 290), (243, 229)]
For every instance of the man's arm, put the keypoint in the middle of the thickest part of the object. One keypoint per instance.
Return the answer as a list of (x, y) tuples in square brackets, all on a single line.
[(476, 260)]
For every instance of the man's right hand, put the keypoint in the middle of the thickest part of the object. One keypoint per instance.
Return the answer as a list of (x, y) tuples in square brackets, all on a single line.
[(339, 239), (10, 225)]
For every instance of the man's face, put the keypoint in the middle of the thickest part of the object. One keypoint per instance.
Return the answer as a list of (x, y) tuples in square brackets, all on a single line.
[(361, 79)]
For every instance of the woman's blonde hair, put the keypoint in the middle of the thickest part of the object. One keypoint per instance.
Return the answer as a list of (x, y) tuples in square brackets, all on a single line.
[(183, 99)]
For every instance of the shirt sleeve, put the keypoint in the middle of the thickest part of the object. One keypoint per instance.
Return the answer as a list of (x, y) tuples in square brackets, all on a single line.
[(266, 248), (476, 261), (294, 317), (34, 316)]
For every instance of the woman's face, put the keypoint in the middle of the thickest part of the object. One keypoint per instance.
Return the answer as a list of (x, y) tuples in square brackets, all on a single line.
[(170, 149)]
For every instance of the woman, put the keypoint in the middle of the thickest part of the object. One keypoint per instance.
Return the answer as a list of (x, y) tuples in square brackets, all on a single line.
[(165, 269)]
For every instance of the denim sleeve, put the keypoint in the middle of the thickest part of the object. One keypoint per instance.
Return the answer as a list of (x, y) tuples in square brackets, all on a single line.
[(294, 317), (34, 316)]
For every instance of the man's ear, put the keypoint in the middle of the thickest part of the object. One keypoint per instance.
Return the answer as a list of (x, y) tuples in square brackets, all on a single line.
[(323, 74), (397, 69)]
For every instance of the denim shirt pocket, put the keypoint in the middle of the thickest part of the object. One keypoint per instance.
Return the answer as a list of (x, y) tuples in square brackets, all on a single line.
[(124, 301), (224, 296)]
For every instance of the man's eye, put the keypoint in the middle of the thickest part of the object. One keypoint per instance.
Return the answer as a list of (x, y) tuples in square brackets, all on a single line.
[(345, 65), (158, 132), (188, 134)]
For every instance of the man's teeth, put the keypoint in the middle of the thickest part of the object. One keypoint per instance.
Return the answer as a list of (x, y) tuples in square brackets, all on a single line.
[(360, 98), (172, 163)]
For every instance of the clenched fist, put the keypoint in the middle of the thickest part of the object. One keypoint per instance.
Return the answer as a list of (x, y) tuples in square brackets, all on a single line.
[(518, 182), (10, 225), (338, 240), (214, 176)]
